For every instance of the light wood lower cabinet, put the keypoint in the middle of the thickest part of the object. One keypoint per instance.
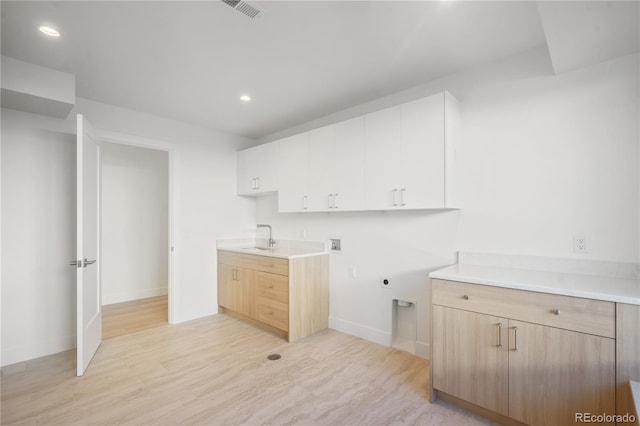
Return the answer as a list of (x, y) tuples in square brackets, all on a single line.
[(467, 359), (236, 289), (290, 296), (483, 352), (556, 373)]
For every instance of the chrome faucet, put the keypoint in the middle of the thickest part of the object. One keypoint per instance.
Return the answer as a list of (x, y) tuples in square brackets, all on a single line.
[(272, 242)]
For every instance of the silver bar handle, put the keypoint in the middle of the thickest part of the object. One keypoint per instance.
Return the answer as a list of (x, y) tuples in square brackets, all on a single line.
[(305, 202), (86, 262), (257, 183), (253, 183), (402, 191), (499, 334), (330, 201), (395, 195), (515, 339), (335, 201)]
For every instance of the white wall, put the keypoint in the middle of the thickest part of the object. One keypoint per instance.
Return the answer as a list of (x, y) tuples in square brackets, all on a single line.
[(544, 157), (38, 188), (135, 227), (38, 239)]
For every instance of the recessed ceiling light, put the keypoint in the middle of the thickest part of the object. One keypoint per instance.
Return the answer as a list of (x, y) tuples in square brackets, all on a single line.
[(51, 32), (245, 98)]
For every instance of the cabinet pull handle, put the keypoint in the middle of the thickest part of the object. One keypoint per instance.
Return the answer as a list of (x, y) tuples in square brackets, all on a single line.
[(395, 195), (556, 311), (330, 201), (257, 183), (402, 191), (253, 183), (515, 339), (499, 334), (233, 274), (465, 297), (305, 202), (335, 201)]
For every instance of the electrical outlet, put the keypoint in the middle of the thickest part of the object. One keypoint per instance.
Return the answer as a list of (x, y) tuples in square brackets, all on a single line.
[(385, 282), (335, 245), (579, 244)]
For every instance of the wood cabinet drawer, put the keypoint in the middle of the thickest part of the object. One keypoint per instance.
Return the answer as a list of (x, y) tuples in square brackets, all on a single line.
[(571, 313), (275, 265), (273, 313), (238, 259), (274, 287)]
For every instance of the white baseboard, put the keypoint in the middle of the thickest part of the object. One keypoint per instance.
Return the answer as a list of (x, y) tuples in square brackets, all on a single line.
[(367, 333), (422, 350), (36, 350), (126, 296)]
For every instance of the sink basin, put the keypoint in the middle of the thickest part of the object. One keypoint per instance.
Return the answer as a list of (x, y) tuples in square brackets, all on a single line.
[(257, 249)]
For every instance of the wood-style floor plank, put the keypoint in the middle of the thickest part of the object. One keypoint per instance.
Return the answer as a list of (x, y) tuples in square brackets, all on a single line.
[(120, 319), (215, 371)]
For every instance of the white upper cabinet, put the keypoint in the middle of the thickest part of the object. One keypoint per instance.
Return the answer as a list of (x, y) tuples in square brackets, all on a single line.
[(257, 169), (293, 174), (403, 157), (410, 152), (336, 166), (321, 165), (348, 165)]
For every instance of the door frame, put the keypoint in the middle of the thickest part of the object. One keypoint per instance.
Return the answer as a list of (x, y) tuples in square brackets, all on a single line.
[(173, 227)]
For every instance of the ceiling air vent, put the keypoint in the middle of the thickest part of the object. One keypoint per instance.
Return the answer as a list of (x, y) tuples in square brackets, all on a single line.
[(244, 7)]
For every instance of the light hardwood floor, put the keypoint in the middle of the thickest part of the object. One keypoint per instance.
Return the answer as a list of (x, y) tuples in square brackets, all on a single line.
[(120, 319), (215, 371)]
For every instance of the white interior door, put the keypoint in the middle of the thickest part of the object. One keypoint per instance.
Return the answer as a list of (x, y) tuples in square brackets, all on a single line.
[(89, 309)]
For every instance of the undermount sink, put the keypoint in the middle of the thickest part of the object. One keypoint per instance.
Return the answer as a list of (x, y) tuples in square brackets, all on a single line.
[(258, 249)]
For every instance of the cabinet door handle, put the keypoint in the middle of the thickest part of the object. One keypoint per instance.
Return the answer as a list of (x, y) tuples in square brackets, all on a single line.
[(556, 311), (257, 183), (335, 201), (330, 201), (305, 202), (395, 196), (515, 339), (499, 334), (402, 191), (253, 183), (465, 297)]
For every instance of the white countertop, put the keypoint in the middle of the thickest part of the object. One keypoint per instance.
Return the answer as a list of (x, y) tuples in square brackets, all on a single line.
[(613, 289), (282, 252)]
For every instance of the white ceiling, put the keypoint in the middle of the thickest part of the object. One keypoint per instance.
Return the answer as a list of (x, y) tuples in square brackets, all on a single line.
[(299, 61)]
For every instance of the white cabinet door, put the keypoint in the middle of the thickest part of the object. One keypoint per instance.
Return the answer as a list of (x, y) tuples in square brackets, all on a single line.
[(405, 156), (246, 172), (293, 174), (348, 165), (423, 161), (321, 169), (257, 169), (383, 158)]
